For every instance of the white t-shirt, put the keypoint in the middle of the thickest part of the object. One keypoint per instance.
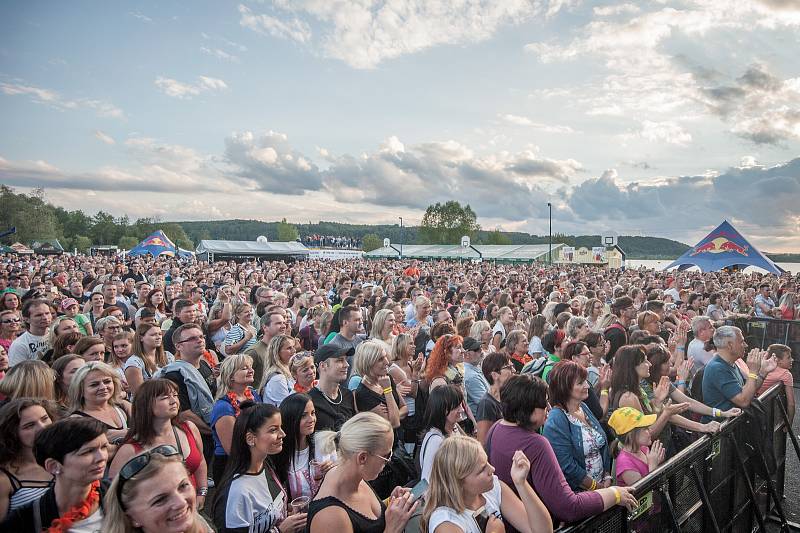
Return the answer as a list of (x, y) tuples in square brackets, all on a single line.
[(430, 445), (91, 524), (27, 347), (465, 520), (277, 389), (535, 346), (701, 356), (250, 503), (301, 481)]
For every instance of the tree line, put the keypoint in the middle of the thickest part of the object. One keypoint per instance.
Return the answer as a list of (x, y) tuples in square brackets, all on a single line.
[(442, 223)]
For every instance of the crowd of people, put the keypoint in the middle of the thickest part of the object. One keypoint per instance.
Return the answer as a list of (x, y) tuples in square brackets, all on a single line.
[(360, 395), (331, 241)]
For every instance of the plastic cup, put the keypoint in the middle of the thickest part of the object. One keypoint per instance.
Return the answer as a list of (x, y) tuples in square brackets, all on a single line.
[(300, 504)]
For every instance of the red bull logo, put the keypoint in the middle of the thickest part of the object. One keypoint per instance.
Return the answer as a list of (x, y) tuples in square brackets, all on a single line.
[(720, 245), (155, 241)]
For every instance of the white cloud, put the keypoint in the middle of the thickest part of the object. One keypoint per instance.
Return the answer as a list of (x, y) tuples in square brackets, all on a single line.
[(219, 54), (53, 99), (363, 34), (143, 18), (517, 120), (177, 89), (294, 29), (104, 137), (609, 11), (660, 132)]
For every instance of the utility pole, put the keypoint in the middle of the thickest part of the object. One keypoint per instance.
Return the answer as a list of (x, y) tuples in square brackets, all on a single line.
[(401, 237), (550, 250)]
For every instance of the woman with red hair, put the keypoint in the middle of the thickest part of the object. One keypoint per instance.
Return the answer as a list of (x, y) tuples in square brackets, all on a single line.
[(442, 369)]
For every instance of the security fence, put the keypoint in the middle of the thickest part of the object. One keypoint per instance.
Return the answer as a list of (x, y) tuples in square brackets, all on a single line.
[(729, 482)]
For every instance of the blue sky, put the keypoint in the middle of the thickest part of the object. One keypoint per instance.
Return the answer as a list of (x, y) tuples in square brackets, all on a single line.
[(657, 118)]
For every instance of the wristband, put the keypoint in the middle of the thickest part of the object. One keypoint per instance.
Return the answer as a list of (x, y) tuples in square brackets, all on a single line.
[(617, 495), (604, 392), (202, 491), (680, 349), (387, 390), (752, 375), (715, 412), (594, 485), (680, 383)]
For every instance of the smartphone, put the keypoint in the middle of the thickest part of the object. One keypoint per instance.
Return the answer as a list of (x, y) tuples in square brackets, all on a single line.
[(419, 490)]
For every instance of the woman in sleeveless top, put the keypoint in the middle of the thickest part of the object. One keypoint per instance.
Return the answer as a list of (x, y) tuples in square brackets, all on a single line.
[(154, 423), (148, 356), (22, 480), (94, 393), (345, 502)]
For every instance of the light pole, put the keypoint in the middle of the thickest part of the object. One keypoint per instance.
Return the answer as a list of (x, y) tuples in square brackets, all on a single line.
[(401, 237), (550, 249)]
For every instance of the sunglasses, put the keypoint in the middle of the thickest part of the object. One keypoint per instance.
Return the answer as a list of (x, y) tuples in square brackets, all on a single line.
[(137, 464), (385, 459), (11, 321)]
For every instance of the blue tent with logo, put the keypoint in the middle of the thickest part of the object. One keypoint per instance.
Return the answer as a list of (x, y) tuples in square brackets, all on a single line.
[(723, 248), (155, 244)]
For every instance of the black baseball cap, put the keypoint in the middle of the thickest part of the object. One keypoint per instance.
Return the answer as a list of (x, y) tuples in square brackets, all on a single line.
[(471, 345), (328, 351)]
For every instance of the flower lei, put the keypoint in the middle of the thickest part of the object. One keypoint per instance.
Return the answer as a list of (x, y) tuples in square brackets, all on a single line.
[(522, 358), (248, 394), (80, 512)]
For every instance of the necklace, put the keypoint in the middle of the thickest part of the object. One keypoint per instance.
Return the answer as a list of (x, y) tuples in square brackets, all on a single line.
[(77, 513), (332, 402), (248, 394)]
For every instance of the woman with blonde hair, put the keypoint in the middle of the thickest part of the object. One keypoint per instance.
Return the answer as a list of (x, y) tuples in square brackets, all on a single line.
[(407, 373), (345, 502), (233, 388), (153, 494), (481, 331), (278, 382), (462, 482), (93, 393), (377, 391), (382, 328), (148, 356), (29, 379)]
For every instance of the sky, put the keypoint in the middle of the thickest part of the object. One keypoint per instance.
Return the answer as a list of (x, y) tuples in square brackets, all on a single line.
[(653, 117)]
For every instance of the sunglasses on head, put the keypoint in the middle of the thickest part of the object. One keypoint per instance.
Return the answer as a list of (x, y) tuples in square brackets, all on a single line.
[(137, 464)]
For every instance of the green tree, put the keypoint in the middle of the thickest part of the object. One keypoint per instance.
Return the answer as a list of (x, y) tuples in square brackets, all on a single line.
[(127, 242), (82, 243), (497, 237), (287, 232), (370, 242), (446, 223)]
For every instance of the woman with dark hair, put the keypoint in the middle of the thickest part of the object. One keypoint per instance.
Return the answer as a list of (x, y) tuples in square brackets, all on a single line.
[(301, 465), (154, 422), (443, 411), (575, 434), (525, 408), (251, 496), (74, 451), (22, 480)]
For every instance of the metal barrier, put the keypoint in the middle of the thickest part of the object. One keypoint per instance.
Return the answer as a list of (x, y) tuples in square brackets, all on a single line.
[(761, 332), (729, 482)]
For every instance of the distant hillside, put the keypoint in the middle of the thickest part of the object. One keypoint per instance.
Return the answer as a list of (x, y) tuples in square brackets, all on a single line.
[(249, 230)]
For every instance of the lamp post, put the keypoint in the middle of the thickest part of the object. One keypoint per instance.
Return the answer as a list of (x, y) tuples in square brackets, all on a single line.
[(550, 249), (401, 237)]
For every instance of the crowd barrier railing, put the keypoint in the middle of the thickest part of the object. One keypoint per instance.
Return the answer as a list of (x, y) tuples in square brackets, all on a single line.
[(761, 332), (732, 481)]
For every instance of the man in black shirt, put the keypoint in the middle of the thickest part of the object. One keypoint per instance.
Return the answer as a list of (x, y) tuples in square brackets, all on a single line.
[(183, 312), (333, 404)]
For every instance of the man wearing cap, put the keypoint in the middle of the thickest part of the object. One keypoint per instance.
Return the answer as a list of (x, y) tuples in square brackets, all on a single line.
[(474, 381), (334, 404)]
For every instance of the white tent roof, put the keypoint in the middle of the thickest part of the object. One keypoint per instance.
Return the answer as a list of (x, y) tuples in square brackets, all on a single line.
[(512, 252), (251, 248)]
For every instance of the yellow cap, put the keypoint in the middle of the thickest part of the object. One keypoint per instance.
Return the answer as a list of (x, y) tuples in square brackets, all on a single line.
[(625, 419)]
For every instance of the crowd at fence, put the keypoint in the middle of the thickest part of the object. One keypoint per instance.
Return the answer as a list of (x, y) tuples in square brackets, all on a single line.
[(331, 241), (386, 395)]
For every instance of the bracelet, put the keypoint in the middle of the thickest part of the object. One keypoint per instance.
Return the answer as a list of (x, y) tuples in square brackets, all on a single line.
[(680, 383), (752, 375), (715, 412), (202, 491), (387, 390), (604, 392), (617, 495), (680, 348), (594, 485)]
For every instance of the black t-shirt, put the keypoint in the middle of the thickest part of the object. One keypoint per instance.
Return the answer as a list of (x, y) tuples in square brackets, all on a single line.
[(367, 399), (331, 415), (489, 409), (617, 337)]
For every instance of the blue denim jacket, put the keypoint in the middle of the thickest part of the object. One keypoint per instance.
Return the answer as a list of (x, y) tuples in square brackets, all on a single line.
[(567, 442)]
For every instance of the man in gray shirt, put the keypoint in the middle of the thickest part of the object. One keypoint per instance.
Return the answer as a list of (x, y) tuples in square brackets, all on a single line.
[(348, 337)]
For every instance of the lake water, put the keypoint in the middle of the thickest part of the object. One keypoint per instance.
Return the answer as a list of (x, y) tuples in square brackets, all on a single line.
[(658, 264)]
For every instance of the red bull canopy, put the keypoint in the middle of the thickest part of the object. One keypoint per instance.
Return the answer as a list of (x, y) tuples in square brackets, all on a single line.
[(722, 248), (155, 244)]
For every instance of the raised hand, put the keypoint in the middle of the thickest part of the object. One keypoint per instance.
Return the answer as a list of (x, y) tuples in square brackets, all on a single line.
[(675, 408), (655, 456), (604, 381), (520, 466), (661, 391), (754, 359), (768, 365), (685, 369)]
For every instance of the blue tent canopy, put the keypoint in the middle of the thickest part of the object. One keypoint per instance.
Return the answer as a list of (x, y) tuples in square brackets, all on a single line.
[(722, 248), (155, 244)]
